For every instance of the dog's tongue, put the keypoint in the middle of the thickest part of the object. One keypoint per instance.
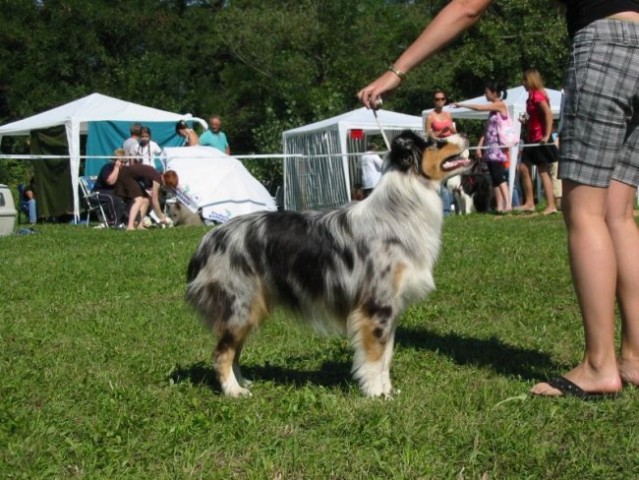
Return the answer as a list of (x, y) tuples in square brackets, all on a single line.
[(455, 163)]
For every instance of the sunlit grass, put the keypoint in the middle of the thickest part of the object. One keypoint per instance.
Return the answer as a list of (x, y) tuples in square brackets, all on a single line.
[(106, 372)]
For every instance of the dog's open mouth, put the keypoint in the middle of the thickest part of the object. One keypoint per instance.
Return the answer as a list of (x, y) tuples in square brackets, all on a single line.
[(458, 161)]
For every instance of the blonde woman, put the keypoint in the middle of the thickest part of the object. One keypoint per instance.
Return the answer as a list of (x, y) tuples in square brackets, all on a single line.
[(538, 123)]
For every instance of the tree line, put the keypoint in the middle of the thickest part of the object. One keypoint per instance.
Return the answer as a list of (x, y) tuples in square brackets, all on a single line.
[(264, 66)]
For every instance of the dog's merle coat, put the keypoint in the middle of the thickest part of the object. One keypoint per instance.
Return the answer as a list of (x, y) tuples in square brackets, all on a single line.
[(357, 267)]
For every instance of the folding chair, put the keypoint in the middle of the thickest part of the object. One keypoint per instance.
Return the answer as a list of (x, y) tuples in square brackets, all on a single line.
[(92, 201)]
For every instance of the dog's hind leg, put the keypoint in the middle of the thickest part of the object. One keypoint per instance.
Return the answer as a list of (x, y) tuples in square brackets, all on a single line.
[(371, 329), (236, 369), (226, 362), (232, 334)]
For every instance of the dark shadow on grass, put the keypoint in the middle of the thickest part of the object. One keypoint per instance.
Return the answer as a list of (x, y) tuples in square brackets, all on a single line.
[(197, 374), (492, 353), (331, 374)]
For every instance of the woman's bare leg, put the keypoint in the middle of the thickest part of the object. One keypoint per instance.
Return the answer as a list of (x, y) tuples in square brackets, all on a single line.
[(144, 208), (505, 194), (546, 182), (593, 265), (525, 173), (625, 238), (136, 204)]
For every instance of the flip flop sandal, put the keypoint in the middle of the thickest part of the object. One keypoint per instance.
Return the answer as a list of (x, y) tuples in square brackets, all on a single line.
[(570, 389)]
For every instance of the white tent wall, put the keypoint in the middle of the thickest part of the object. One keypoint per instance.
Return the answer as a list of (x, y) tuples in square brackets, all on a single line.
[(303, 189), (76, 115), (516, 103), (317, 164)]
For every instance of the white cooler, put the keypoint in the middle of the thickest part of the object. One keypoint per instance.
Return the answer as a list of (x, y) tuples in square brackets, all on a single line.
[(7, 211)]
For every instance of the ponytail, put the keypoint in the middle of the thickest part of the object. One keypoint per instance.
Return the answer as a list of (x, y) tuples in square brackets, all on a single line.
[(497, 87)]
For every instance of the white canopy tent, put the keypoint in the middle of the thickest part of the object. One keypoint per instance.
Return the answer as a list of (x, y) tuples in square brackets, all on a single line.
[(325, 180), (516, 102), (76, 115)]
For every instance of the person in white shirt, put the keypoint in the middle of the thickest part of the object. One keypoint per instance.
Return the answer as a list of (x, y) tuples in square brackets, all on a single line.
[(132, 143), (147, 149), (370, 164)]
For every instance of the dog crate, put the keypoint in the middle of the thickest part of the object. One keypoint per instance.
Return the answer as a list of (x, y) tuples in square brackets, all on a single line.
[(8, 211)]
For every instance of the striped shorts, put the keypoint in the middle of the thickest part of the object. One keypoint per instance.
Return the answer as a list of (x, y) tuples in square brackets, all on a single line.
[(599, 138)]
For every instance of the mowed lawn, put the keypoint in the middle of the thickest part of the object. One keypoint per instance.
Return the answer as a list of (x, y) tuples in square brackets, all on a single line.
[(105, 372)]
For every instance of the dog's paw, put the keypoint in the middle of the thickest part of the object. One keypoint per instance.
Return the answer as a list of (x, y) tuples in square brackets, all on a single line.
[(244, 382), (236, 391), (378, 390)]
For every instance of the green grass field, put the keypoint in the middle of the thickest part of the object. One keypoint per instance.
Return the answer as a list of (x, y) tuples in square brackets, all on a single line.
[(105, 372)]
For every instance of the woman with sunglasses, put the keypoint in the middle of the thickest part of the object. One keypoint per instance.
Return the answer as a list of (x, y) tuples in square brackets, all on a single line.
[(439, 123)]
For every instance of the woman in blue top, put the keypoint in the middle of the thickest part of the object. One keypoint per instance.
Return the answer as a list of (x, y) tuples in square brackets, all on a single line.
[(599, 167), (492, 152)]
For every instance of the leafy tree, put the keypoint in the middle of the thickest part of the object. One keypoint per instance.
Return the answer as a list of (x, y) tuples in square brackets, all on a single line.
[(263, 65)]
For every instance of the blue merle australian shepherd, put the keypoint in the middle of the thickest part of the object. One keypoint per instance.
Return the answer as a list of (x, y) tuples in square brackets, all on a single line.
[(357, 267)]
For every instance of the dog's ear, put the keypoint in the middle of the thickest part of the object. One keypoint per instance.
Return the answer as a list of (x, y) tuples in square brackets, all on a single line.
[(406, 148)]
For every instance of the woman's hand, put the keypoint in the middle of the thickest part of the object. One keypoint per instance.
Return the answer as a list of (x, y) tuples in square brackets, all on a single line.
[(371, 95)]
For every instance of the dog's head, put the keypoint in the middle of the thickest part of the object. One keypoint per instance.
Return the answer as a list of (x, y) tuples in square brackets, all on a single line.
[(181, 215), (434, 158)]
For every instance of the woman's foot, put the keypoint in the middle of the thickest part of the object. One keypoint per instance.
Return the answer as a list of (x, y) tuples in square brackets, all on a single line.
[(525, 208), (586, 379), (549, 211), (629, 370)]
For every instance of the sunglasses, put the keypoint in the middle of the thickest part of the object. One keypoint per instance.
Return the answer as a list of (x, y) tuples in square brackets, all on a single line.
[(440, 99)]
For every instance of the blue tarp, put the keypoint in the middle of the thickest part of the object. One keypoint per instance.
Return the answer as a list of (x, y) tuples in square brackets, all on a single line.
[(106, 136)]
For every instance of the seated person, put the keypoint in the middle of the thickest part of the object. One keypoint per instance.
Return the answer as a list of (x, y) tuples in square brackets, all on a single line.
[(131, 181), (29, 197), (105, 185), (183, 130)]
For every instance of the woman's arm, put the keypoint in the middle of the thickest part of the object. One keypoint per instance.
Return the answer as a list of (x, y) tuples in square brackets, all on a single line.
[(113, 176), (480, 144), (546, 113), (155, 202), (450, 22), (453, 128), (487, 107), (428, 128), (192, 138)]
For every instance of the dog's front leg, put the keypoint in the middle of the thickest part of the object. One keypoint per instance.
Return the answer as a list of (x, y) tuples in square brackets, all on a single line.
[(371, 329)]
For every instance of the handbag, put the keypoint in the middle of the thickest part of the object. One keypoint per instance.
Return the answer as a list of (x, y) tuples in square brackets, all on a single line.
[(508, 135)]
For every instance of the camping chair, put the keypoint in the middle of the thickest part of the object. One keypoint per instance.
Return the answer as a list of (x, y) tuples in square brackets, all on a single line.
[(23, 205), (92, 201)]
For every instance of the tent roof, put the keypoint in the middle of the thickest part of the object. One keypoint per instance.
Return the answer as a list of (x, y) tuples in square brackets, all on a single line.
[(516, 101), (362, 118), (94, 107)]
